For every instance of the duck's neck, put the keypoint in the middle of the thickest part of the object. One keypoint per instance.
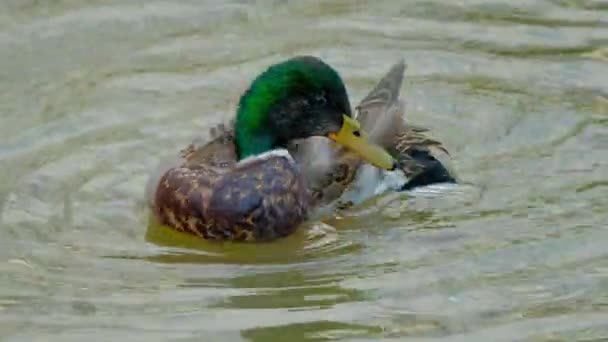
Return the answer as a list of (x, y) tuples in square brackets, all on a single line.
[(252, 130)]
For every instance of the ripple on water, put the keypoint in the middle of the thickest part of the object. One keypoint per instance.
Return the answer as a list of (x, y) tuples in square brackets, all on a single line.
[(93, 95)]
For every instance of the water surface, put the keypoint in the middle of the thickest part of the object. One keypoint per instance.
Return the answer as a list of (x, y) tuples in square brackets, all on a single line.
[(94, 93)]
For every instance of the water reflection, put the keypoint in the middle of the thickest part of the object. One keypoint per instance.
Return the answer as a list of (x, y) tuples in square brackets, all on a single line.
[(312, 241)]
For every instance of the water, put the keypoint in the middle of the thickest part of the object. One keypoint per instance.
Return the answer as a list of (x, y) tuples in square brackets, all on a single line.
[(94, 93)]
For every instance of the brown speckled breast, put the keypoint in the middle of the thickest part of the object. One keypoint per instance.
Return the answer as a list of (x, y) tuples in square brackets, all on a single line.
[(259, 201)]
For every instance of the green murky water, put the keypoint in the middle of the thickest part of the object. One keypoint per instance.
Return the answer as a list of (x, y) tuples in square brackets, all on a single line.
[(94, 93)]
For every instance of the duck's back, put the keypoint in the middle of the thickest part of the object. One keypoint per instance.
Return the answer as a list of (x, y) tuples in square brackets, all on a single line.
[(265, 197), (213, 196)]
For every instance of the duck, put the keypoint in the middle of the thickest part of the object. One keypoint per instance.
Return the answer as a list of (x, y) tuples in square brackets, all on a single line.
[(243, 184), (342, 179)]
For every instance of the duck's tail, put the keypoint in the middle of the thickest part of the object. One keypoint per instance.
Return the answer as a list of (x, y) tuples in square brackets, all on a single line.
[(382, 114)]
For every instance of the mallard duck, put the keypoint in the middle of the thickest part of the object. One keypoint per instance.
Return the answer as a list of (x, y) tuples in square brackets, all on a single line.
[(243, 184), (344, 179)]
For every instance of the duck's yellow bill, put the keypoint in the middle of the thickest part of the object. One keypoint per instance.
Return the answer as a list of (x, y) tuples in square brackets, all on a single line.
[(352, 137)]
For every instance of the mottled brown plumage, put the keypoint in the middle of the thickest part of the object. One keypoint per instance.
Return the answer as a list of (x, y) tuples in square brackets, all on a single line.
[(214, 197)]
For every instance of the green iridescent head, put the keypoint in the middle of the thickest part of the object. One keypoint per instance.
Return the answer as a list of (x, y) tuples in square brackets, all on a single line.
[(299, 98)]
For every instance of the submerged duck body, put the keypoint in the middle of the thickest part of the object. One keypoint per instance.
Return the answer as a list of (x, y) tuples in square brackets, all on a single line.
[(243, 184)]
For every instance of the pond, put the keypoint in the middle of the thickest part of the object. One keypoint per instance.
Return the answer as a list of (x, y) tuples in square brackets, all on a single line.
[(93, 94)]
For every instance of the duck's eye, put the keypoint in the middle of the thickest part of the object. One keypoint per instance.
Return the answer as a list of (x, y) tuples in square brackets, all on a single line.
[(357, 133), (320, 99)]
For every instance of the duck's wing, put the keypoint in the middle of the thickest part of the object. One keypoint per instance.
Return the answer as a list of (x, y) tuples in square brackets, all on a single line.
[(380, 111), (216, 151), (259, 199), (380, 115), (220, 151), (423, 159), (212, 195)]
